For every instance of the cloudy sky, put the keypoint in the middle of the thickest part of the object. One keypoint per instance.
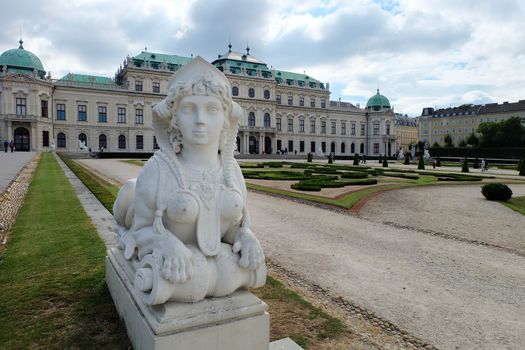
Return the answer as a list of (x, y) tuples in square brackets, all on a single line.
[(418, 52)]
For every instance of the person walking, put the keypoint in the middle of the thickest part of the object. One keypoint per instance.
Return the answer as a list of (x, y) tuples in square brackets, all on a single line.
[(6, 144), (482, 165), (12, 146), (364, 158), (434, 161)]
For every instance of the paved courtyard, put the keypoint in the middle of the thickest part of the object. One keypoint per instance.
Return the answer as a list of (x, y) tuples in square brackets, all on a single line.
[(457, 294)]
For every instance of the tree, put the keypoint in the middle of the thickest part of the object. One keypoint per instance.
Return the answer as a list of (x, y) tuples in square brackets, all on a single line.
[(462, 143), (448, 141), (464, 168), (507, 133), (472, 140), (436, 145), (421, 164)]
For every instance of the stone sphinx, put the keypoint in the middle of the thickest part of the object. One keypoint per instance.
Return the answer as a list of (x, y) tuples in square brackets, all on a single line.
[(183, 224)]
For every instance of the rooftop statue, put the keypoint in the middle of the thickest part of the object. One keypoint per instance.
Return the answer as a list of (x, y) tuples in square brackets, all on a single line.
[(183, 222)]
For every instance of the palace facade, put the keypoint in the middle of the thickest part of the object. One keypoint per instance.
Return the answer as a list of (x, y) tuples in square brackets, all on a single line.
[(285, 112)]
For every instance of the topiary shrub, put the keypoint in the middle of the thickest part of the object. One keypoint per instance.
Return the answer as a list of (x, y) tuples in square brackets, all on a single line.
[(309, 157), (385, 162), (421, 164), (464, 168), (407, 158), (496, 192), (354, 175), (356, 159), (401, 175), (275, 165)]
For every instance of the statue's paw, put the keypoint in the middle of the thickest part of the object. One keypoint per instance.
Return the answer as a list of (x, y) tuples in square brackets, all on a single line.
[(179, 268), (252, 255)]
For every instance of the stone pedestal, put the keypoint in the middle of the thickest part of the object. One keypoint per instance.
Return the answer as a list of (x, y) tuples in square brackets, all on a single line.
[(236, 322)]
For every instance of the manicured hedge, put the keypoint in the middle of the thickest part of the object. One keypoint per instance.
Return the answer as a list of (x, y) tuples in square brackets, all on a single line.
[(354, 175), (496, 191), (404, 176)]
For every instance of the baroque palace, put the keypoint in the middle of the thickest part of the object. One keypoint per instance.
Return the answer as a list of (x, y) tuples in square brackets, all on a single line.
[(285, 112)]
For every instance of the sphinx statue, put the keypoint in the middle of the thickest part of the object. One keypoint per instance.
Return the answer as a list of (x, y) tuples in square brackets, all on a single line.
[(183, 223)]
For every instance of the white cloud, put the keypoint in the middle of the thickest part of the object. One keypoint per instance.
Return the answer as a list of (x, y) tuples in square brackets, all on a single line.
[(419, 53)]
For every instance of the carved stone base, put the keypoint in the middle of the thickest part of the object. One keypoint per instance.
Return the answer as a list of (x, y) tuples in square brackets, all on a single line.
[(237, 322)]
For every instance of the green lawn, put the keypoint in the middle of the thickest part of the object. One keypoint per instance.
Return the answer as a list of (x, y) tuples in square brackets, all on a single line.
[(52, 275), (517, 204)]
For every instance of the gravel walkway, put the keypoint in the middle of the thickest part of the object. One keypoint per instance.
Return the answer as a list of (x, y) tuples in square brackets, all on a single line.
[(459, 211), (10, 166)]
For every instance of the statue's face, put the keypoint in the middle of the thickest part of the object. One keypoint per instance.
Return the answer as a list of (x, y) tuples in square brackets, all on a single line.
[(200, 120)]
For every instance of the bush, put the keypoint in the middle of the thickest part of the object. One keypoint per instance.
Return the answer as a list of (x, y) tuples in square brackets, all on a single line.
[(407, 158), (275, 165), (464, 168), (380, 159), (421, 164), (356, 159), (354, 175), (438, 162), (302, 187), (404, 176), (496, 192), (459, 178)]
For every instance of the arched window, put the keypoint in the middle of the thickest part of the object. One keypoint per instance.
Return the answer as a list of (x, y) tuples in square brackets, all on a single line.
[(61, 140), (83, 138), (102, 141), (343, 148), (267, 121), (332, 147), (267, 94), (251, 92), (122, 142), (352, 148), (251, 119), (235, 91), (388, 128)]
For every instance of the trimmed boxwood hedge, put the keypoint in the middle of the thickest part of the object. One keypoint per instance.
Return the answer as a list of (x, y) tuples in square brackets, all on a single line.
[(354, 175), (459, 178), (496, 192), (404, 176), (315, 184), (274, 175)]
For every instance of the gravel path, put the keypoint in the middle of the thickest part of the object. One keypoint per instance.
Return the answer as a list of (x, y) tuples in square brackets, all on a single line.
[(455, 294), (10, 166), (458, 211)]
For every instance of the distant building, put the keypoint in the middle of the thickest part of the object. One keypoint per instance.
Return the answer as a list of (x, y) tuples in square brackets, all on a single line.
[(459, 122), (283, 111), (407, 132)]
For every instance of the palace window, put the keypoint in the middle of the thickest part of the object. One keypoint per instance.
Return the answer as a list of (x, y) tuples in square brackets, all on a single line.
[(278, 99), (343, 148), (267, 120), (388, 128), (61, 111), (352, 132), (155, 144), (312, 146), (376, 129), (333, 127), (139, 116), (323, 127), (343, 128), (278, 124), (251, 119), (156, 87), (45, 138), (323, 103), (139, 141), (122, 142), (61, 140), (21, 103), (362, 130), (235, 91), (312, 101), (323, 147), (301, 125), (102, 114), (82, 113), (301, 101), (290, 125), (251, 92), (290, 100), (82, 138), (266, 94), (279, 146), (290, 145), (121, 115), (102, 142), (312, 126), (138, 85), (376, 148), (301, 146), (44, 108)]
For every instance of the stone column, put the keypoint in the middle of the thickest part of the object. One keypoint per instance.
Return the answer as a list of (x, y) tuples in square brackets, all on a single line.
[(10, 131), (33, 137), (261, 143)]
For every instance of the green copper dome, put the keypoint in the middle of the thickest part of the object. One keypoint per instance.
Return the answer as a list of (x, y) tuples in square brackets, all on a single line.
[(378, 101), (20, 60)]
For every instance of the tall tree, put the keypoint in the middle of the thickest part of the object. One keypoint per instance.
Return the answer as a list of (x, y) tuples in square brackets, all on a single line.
[(472, 139), (507, 133)]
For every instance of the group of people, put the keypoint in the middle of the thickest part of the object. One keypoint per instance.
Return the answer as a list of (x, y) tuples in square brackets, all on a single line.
[(9, 144)]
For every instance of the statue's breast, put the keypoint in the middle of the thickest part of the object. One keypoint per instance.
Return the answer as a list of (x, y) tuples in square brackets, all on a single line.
[(182, 208), (231, 205)]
